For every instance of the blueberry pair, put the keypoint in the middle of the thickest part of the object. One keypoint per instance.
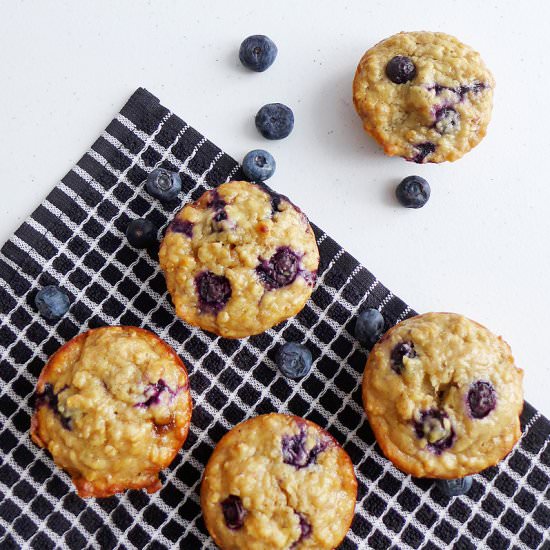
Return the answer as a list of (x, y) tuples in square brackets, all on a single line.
[(165, 186), (274, 121)]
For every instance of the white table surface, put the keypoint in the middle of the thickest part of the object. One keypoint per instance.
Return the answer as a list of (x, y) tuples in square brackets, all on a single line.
[(480, 247)]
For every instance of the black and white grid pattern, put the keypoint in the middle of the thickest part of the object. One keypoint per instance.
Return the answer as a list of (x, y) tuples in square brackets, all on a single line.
[(76, 239)]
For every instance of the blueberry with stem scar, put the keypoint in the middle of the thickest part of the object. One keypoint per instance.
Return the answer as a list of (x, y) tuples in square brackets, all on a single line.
[(257, 52), (52, 302), (294, 360), (163, 184), (275, 121), (413, 192), (258, 165)]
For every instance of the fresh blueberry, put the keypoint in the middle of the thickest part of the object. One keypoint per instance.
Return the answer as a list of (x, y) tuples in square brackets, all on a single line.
[(413, 192), (257, 52), (435, 426), (258, 165), (447, 120), (294, 360), (454, 487), (163, 184), (403, 349), (369, 326), (400, 69), (424, 151), (482, 399), (214, 291), (52, 302), (233, 511), (275, 121), (280, 270), (141, 233)]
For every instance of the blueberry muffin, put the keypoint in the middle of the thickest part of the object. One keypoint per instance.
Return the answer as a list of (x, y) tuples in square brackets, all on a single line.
[(443, 396), (424, 96), (278, 482), (113, 408), (239, 260)]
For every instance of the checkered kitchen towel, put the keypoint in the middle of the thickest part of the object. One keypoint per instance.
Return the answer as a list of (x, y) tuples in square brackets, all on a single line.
[(75, 238)]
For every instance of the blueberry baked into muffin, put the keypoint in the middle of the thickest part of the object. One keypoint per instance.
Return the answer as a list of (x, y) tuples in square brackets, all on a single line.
[(239, 260), (113, 408), (424, 96), (443, 396), (278, 482)]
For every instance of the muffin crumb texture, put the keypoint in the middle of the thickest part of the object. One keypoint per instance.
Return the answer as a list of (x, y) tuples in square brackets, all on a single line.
[(113, 408), (239, 260), (278, 482), (443, 396)]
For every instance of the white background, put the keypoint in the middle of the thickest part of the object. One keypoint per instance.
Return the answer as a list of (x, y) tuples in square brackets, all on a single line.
[(481, 245)]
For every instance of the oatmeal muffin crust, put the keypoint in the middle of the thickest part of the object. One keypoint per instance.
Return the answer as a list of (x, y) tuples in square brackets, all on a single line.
[(443, 396), (113, 408), (239, 260), (278, 482), (424, 96)]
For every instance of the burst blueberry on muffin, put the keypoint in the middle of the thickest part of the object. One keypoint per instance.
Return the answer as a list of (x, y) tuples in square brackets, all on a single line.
[(424, 96), (443, 396), (239, 260), (278, 482), (113, 408)]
